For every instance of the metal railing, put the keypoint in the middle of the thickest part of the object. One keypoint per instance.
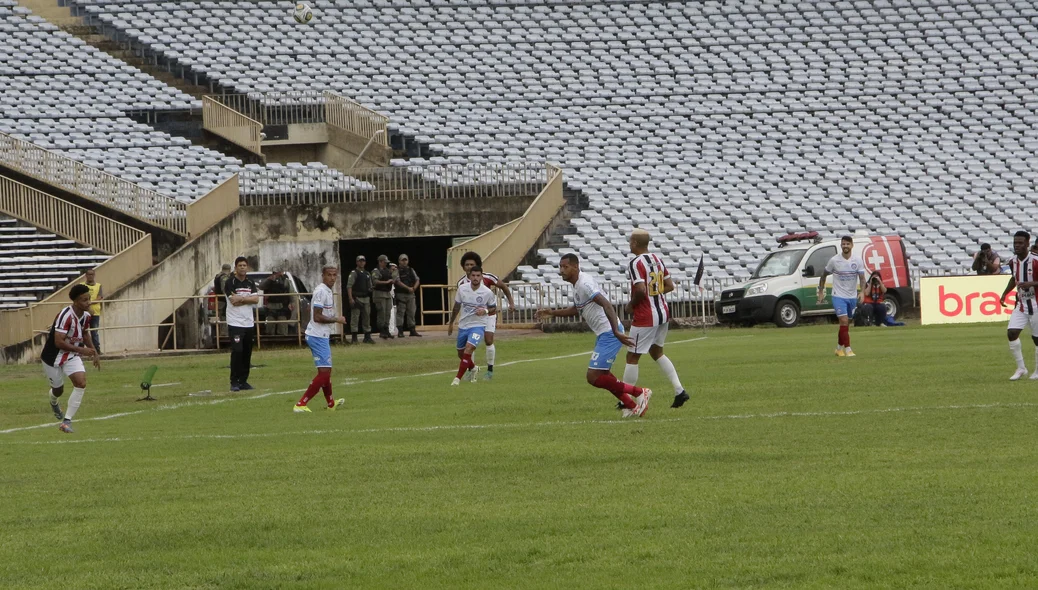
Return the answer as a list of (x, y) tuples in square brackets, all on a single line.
[(65, 219), (219, 119), (276, 108), (93, 184), (307, 186), (356, 118)]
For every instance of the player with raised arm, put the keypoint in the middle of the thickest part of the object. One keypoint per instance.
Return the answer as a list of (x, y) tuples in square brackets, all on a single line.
[(66, 343), (1023, 278), (318, 338), (469, 260), (477, 304), (591, 304), (650, 281), (848, 273)]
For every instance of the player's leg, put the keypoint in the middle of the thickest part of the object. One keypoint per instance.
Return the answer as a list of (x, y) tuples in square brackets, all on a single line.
[(599, 374), (247, 340), (642, 340), (665, 365), (1017, 321), (77, 375), (491, 349), (236, 355), (56, 380), (321, 351), (468, 339), (840, 304)]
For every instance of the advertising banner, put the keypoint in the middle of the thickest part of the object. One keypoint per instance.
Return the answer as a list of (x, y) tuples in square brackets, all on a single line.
[(964, 299)]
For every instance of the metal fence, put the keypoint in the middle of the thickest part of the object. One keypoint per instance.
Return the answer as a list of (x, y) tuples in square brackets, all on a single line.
[(307, 186), (356, 118), (277, 108)]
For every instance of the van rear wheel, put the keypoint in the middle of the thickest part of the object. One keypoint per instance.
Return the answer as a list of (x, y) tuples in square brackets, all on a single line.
[(787, 313), (893, 306)]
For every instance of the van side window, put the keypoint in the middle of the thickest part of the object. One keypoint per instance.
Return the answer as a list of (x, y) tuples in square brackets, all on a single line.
[(818, 259)]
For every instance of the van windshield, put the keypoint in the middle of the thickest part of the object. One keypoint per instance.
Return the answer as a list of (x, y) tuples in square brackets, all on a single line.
[(779, 264)]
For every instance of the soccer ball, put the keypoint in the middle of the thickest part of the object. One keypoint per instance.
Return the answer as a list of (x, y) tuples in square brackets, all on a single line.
[(303, 13)]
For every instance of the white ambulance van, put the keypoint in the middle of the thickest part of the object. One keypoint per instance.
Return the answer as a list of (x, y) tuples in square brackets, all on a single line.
[(784, 287)]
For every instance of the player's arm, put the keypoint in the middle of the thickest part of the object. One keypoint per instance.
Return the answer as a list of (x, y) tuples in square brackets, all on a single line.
[(454, 317), (557, 313), (668, 284), (63, 343), (251, 299), (1009, 287), (861, 284), (614, 322), (320, 318), (492, 308), (821, 285), (508, 292)]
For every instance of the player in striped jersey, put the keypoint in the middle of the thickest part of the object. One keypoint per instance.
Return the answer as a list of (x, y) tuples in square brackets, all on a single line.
[(650, 281), (469, 260), (1024, 278), (66, 342)]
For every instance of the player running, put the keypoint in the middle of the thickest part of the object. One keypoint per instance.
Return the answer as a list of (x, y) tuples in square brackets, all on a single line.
[(650, 281), (1024, 278), (848, 273), (477, 304), (318, 338), (66, 344), (592, 305), (469, 260)]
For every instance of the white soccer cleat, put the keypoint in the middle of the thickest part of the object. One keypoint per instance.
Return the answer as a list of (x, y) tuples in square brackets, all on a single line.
[(456, 381), (1018, 374), (848, 352), (643, 402), (1034, 376), (471, 375), (627, 413)]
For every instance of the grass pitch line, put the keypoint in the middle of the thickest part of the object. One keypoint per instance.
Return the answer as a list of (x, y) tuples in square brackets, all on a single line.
[(349, 383), (528, 425)]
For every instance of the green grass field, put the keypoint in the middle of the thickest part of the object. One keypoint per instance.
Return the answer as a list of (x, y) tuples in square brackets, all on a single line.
[(910, 466)]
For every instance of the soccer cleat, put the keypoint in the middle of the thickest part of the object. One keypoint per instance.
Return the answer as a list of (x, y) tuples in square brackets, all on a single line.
[(620, 406), (1034, 376), (66, 427), (643, 402), (235, 387), (56, 408), (245, 387), (628, 413), (301, 409), (488, 376), (840, 352), (848, 352), (338, 403), (456, 381), (680, 399), (470, 376), (1018, 374)]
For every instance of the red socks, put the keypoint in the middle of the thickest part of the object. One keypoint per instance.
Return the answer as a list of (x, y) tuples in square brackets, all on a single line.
[(845, 336), (321, 381), (465, 364), (621, 390)]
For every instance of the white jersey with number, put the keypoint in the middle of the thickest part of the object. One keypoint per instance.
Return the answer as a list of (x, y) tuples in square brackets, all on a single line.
[(584, 292), (845, 273), (322, 303), (471, 301)]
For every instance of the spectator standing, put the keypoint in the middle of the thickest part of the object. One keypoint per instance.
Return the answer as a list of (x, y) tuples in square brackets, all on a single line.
[(96, 295), (358, 292), (986, 262), (407, 284), (242, 298), (383, 278), (219, 285), (277, 303)]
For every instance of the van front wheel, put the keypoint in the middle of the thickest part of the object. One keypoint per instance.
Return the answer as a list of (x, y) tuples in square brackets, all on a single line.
[(787, 313)]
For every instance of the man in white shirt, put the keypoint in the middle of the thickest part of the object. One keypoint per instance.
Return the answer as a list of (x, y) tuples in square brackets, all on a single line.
[(848, 272), (476, 303), (318, 338), (598, 312)]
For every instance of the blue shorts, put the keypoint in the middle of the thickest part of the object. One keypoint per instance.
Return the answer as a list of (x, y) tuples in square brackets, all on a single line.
[(471, 336), (606, 349), (845, 306), (321, 349)]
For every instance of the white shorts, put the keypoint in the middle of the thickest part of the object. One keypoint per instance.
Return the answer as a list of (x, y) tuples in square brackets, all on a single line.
[(645, 336), (1020, 320), (491, 323), (56, 375)]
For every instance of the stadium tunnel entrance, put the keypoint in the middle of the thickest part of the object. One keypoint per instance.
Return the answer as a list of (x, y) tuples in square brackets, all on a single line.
[(427, 255)]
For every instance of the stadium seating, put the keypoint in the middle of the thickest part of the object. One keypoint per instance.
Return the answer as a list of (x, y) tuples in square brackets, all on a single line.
[(717, 125), (33, 263)]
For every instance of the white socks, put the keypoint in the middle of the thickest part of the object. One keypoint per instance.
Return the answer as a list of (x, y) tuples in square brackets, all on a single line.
[(54, 398), (671, 373), (631, 374), (73, 402), (491, 355), (1016, 348)]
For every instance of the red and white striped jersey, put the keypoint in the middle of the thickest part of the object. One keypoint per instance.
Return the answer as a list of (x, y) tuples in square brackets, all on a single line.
[(1025, 271), (74, 329), (653, 310)]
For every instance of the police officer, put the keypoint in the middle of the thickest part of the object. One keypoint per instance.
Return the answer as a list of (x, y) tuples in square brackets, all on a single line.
[(407, 284), (219, 284), (358, 291), (275, 298), (383, 279)]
